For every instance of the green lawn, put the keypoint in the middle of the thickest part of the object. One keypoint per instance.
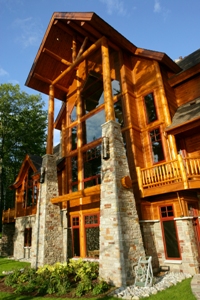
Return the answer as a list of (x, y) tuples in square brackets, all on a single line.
[(9, 264)]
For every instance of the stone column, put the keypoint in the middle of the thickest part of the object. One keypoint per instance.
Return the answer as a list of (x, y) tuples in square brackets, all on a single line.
[(120, 236), (47, 239)]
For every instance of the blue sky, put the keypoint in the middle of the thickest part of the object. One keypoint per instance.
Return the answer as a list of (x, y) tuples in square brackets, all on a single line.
[(170, 26)]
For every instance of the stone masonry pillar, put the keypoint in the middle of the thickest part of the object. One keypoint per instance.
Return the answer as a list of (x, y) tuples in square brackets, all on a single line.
[(120, 236), (47, 239)]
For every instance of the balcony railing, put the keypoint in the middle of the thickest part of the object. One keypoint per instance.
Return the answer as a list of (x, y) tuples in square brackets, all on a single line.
[(174, 175), (8, 216)]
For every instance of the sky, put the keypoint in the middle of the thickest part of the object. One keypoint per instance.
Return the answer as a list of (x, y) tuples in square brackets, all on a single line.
[(169, 26)]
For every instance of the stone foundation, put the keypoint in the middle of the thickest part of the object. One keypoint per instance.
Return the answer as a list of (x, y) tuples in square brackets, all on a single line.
[(120, 236), (154, 246), (7, 240), (47, 238)]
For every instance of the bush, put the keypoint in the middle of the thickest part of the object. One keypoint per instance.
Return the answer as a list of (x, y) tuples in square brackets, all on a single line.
[(58, 279)]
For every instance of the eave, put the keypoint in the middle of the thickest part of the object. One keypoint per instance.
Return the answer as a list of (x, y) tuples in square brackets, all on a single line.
[(160, 57)]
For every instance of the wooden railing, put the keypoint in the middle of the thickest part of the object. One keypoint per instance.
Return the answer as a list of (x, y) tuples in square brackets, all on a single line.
[(180, 170), (8, 216)]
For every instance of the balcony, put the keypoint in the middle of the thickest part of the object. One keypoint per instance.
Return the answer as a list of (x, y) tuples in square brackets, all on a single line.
[(8, 216), (175, 175)]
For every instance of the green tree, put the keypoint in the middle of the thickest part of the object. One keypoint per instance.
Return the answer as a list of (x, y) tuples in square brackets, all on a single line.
[(22, 131)]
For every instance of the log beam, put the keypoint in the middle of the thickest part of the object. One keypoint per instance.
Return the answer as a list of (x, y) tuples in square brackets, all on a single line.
[(49, 149), (56, 57), (109, 108), (85, 54)]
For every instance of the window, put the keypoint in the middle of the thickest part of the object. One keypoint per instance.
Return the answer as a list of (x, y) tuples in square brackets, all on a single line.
[(169, 232), (156, 144), (119, 112), (74, 137), (92, 94), (150, 108), (27, 237), (92, 128), (92, 235), (75, 236), (92, 166), (74, 166), (30, 188)]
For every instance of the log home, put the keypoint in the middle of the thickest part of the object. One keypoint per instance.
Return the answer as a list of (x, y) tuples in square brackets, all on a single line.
[(129, 151)]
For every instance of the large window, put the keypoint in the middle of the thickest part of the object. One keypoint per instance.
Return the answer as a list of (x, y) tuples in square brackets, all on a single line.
[(93, 127), (150, 108), (169, 231), (92, 166), (156, 145)]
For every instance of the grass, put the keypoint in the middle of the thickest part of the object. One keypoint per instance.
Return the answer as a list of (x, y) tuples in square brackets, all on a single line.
[(181, 291), (10, 264)]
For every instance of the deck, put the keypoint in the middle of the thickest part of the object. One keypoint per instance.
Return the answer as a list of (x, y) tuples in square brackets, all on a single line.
[(175, 175)]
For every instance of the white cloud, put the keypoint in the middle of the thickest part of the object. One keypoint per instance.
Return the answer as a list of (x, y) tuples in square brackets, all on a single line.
[(3, 72), (157, 6), (115, 6), (29, 33)]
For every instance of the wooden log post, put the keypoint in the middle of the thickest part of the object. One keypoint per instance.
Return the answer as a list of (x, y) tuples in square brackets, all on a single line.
[(109, 108), (49, 149), (139, 176), (183, 171)]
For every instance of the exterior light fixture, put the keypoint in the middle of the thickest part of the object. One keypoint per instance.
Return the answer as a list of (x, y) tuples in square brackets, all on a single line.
[(42, 174), (105, 148)]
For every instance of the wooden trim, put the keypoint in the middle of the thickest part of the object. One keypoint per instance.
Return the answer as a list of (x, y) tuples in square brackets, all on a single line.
[(94, 190)]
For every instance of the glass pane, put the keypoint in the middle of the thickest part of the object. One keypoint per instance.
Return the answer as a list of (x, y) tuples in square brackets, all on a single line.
[(150, 108), (73, 114), (93, 126), (92, 166), (119, 112), (116, 89), (93, 219), (74, 165), (157, 148), (171, 242), (92, 242), (74, 138), (76, 242), (92, 94)]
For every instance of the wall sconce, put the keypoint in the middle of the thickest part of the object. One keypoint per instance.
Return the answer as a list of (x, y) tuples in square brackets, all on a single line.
[(105, 148), (42, 174)]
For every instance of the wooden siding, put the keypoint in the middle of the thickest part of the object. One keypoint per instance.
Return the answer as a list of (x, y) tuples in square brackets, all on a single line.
[(188, 91), (170, 94)]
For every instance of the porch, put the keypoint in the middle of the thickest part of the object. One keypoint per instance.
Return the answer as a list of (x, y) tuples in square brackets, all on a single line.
[(175, 175)]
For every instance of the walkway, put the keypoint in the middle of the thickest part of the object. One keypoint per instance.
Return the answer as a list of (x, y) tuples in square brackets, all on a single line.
[(195, 286)]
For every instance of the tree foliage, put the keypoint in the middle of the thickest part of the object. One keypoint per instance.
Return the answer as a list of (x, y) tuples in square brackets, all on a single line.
[(22, 131)]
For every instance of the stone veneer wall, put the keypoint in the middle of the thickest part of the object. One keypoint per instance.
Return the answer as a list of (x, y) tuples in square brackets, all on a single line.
[(120, 236), (154, 246), (20, 224), (47, 236), (7, 240)]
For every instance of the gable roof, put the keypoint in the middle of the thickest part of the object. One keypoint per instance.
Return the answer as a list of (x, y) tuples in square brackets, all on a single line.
[(55, 53), (33, 161)]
